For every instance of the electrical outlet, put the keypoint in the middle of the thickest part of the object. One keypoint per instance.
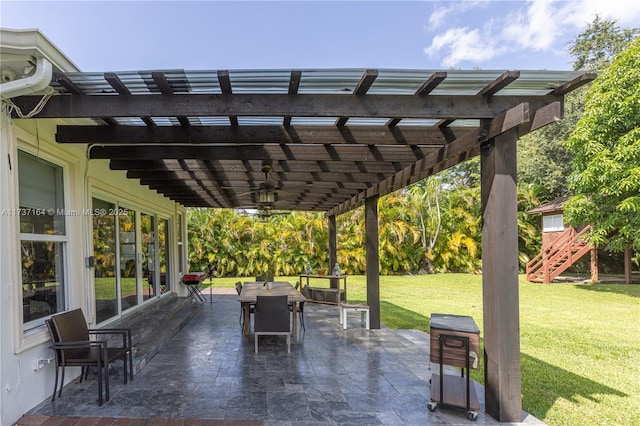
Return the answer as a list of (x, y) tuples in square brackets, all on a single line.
[(39, 363)]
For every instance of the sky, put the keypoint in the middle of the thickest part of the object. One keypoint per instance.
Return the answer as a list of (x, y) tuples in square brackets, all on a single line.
[(195, 35)]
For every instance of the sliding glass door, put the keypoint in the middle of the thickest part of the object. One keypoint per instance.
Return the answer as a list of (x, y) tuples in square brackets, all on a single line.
[(131, 258), (147, 226), (129, 267), (104, 253), (163, 255)]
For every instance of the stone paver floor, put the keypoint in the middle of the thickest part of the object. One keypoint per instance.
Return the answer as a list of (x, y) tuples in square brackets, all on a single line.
[(209, 371)]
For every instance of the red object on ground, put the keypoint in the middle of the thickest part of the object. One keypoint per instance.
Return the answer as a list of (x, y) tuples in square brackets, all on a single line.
[(194, 277)]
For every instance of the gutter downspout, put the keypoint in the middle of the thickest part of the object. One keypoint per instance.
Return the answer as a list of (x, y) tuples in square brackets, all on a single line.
[(29, 85)]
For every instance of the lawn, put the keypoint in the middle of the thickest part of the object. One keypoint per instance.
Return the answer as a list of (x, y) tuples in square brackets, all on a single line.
[(580, 344)]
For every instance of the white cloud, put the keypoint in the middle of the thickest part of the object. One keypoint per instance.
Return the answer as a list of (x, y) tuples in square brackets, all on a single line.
[(438, 17), (462, 44), (537, 29), (536, 26), (626, 12)]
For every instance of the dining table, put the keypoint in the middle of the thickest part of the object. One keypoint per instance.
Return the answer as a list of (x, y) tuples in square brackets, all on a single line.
[(251, 291)]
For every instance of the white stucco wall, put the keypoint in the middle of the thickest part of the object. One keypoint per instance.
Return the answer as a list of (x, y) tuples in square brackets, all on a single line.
[(22, 388)]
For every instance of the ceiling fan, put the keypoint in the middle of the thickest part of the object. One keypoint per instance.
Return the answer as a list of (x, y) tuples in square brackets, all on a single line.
[(267, 189)]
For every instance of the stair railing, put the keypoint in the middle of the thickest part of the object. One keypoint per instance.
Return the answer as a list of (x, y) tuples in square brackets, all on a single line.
[(559, 255)]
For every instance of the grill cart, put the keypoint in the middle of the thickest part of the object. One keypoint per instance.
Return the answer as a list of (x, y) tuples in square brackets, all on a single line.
[(193, 281), (455, 341)]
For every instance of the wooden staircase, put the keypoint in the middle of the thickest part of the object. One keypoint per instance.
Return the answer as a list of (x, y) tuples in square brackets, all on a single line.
[(566, 250)]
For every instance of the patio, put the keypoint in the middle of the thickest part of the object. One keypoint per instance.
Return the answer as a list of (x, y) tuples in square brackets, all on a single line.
[(208, 370)]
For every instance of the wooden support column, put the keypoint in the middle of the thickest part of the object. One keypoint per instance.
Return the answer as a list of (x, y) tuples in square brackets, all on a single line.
[(373, 260), (333, 248), (500, 278)]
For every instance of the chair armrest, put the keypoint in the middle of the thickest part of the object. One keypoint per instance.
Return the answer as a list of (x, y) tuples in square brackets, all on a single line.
[(127, 331), (124, 332), (77, 344)]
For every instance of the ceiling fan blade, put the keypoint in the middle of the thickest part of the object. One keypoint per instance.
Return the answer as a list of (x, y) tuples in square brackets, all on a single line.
[(253, 191)]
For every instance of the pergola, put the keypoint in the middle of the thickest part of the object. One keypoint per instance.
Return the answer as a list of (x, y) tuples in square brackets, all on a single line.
[(330, 141)]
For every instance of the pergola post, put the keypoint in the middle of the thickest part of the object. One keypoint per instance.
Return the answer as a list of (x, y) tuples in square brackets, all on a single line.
[(500, 278), (373, 260), (333, 248), (333, 245)]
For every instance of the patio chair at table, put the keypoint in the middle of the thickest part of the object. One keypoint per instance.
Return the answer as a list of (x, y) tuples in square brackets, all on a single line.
[(73, 347), (300, 307), (272, 317), (252, 306)]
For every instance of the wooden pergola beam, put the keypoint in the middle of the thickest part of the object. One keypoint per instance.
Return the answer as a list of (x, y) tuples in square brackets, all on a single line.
[(577, 82), (363, 86), (294, 85), (499, 83), (262, 152), (366, 135), (241, 180), (308, 166), (225, 87), (269, 105)]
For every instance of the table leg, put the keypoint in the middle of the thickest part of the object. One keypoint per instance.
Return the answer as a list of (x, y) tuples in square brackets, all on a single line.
[(295, 318)]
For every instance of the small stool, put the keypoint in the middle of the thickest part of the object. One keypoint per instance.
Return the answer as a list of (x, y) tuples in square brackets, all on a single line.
[(354, 307)]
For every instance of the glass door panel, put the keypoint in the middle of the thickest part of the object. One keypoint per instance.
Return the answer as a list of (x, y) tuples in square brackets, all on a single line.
[(128, 260), (104, 252), (163, 255), (147, 225)]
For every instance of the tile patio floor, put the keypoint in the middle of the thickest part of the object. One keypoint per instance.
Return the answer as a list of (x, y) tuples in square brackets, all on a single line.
[(332, 377)]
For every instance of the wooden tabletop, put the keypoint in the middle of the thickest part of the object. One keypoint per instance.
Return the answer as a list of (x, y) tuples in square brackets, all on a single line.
[(250, 292)]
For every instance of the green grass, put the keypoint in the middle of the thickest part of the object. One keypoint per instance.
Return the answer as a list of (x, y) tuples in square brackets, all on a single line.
[(580, 344)]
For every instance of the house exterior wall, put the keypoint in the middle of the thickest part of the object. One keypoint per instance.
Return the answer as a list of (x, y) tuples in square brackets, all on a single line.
[(549, 237), (22, 388)]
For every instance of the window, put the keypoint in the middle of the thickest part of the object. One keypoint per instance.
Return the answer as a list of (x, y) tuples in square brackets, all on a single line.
[(180, 246), (43, 239), (552, 223)]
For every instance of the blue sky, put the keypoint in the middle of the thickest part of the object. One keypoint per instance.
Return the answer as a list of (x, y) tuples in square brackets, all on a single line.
[(144, 35)]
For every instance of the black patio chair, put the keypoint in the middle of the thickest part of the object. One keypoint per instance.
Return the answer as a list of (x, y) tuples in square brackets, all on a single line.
[(272, 317), (300, 308), (252, 306), (260, 279), (73, 347)]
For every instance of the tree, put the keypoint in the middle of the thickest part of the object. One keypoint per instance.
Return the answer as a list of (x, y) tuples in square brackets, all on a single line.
[(599, 43), (543, 160), (606, 146), (424, 203)]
